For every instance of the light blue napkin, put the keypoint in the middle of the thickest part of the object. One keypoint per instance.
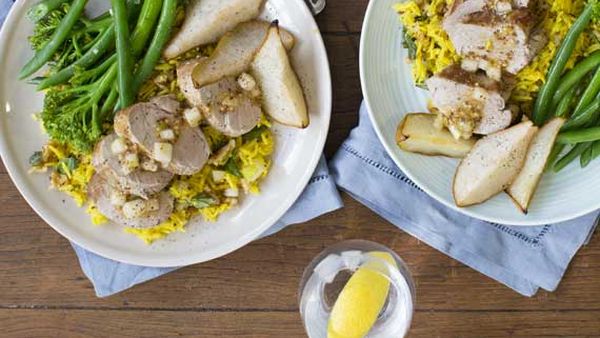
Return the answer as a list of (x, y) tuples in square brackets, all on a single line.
[(523, 258), (109, 277), (4, 9)]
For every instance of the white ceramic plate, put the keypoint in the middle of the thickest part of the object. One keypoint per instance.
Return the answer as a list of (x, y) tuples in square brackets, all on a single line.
[(296, 156), (390, 94)]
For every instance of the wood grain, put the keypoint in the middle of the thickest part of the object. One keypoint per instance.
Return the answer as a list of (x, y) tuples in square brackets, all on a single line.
[(342, 16), (160, 323), (41, 269), (253, 292), (99, 323)]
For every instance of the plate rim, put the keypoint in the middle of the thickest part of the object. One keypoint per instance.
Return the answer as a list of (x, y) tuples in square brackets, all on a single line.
[(390, 146), (193, 257)]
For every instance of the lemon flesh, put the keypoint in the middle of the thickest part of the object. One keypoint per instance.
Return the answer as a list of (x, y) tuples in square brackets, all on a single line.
[(361, 300)]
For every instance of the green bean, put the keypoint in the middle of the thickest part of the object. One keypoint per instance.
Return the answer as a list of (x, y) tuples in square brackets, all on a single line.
[(97, 25), (106, 81), (133, 10), (102, 16), (586, 157), (83, 77), (124, 55), (565, 102), (587, 115), (105, 65), (574, 153), (104, 43), (61, 33), (42, 8), (109, 103), (161, 36), (590, 155), (590, 93), (573, 76), (579, 136), (145, 24), (556, 150), (544, 98)]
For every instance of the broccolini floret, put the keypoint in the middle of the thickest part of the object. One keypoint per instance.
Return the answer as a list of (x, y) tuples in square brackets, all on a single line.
[(74, 114)]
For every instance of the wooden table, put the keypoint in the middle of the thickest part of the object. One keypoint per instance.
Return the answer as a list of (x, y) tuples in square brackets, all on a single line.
[(253, 292)]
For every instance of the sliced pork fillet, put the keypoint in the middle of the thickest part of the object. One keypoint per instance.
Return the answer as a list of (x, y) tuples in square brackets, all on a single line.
[(205, 95), (167, 103), (141, 124), (236, 120), (469, 102), (138, 182), (228, 108), (190, 152), (218, 91), (491, 38), (224, 104), (101, 190)]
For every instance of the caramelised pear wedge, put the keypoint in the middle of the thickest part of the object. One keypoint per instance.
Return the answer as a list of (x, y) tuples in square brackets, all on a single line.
[(235, 51), (525, 185), (283, 97), (207, 20), (418, 134), (492, 165)]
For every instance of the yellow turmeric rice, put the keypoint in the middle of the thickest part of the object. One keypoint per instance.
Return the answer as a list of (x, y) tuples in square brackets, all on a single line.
[(71, 171), (422, 21)]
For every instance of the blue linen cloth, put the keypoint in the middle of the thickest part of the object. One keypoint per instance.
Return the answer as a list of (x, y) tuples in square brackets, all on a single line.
[(4, 9), (523, 258), (109, 277)]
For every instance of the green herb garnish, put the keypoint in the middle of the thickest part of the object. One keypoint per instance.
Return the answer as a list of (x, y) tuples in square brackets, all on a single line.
[(203, 200)]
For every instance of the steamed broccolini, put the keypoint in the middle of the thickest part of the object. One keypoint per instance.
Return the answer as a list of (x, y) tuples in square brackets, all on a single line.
[(73, 114), (81, 91), (73, 106), (83, 36), (45, 27), (42, 8)]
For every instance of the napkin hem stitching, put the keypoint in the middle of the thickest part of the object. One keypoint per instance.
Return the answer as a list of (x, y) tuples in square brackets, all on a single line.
[(319, 178), (381, 167), (534, 241)]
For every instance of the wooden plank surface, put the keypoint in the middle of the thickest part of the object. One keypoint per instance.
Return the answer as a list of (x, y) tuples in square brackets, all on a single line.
[(265, 324), (38, 268), (253, 292)]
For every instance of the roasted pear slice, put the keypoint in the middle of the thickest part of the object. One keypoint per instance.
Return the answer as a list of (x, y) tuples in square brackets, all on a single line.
[(525, 185), (283, 98), (417, 133), (235, 51), (492, 165), (207, 20)]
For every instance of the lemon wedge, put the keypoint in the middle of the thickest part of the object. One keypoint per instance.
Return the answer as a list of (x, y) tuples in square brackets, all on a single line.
[(360, 301)]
